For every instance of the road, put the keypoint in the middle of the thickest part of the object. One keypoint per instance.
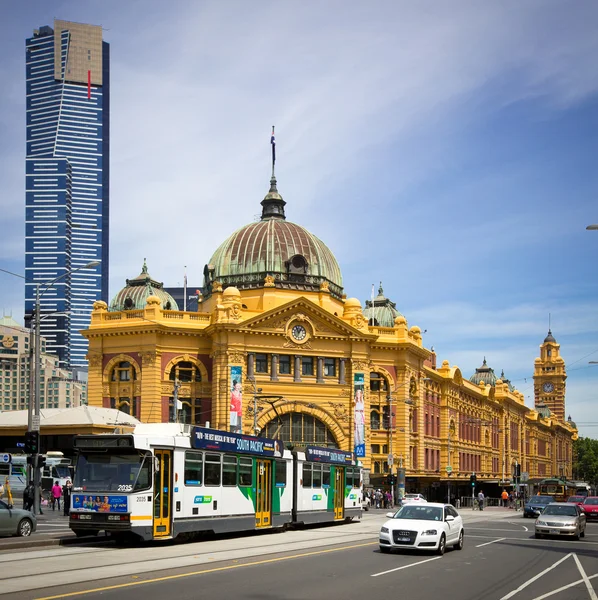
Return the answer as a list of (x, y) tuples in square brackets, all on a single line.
[(501, 560)]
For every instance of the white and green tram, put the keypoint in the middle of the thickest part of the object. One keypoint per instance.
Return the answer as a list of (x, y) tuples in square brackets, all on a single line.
[(167, 480)]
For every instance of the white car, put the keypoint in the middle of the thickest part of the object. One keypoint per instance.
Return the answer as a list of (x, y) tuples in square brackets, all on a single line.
[(425, 526), (408, 498)]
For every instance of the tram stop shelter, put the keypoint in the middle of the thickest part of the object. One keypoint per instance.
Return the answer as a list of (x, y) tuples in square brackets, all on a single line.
[(58, 427)]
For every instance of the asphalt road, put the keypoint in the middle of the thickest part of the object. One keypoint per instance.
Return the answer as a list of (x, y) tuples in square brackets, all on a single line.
[(501, 560)]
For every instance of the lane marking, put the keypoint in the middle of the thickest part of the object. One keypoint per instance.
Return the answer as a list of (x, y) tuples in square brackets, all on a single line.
[(421, 562), (536, 577), (591, 591), (562, 589), (492, 542), (203, 572)]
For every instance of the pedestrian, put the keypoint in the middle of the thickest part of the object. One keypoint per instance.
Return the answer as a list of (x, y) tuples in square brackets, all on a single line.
[(505, 497), (56, 495), (28, 497), (481, 500), (66, 495), (7, 492)]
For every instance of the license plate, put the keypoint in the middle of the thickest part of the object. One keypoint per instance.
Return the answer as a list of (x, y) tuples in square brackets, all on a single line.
[(554, 532), (403, 539)]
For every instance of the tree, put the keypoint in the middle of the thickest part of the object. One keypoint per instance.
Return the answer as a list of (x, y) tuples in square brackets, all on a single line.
[(585, 460)]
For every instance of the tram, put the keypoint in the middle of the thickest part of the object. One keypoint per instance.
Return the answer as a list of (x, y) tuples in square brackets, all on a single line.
[(561, 489), (168, 480)]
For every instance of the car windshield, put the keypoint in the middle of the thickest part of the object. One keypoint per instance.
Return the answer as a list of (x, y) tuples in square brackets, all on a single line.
[(541, 500), (422, 513), (592, 501), (561, 510), (112, 472), (575, 499)]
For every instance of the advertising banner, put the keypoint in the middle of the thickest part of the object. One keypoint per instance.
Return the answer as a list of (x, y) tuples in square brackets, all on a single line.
[(80, 502), (221, 441), (236, 399), (359, 415), (328, 455)]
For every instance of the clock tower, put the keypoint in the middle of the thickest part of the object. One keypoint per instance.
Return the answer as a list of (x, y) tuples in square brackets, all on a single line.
[(549, 378)]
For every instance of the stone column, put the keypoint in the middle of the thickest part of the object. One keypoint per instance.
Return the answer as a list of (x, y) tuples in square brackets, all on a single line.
[(342, 372), (320, 370), (251, 366), (274, 368), (297, 371)]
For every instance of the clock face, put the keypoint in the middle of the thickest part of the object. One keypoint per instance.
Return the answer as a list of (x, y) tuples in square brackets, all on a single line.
[(298, 332), (548, 387)]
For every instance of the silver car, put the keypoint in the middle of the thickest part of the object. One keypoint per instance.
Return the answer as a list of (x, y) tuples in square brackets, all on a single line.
[(16, 521), (562, 519)]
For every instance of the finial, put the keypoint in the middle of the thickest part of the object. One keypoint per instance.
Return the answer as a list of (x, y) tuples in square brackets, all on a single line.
[(502, 374), (380, 290), (144, 269), (273, 204), (273, 144), (484, 363)]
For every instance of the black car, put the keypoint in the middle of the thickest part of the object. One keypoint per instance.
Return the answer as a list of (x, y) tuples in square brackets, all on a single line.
[(535, 505)]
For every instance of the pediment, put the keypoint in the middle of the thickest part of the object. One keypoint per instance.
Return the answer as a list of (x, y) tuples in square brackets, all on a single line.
[(301, 310)]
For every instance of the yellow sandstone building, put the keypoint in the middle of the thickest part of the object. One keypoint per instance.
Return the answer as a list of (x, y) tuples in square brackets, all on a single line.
[(277, 349)]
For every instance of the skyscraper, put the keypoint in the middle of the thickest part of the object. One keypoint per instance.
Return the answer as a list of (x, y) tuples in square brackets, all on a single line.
[(67, 180)]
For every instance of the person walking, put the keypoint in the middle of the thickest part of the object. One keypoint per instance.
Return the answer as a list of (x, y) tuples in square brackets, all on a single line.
[(8, 492), (56, 495), (505, 497), (28, 497), (66, 497), (481, 500)]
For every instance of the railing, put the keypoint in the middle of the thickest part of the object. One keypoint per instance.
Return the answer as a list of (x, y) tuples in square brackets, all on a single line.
[(171, 315)]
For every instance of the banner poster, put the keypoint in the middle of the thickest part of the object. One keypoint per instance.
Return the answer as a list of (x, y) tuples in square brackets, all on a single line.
[(236, 399), (99, 503), (359, 416)]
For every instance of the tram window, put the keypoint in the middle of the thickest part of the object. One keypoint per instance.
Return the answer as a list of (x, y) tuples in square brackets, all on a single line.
[(213, 470), (350, 478), (281, 473), (325, 475), (229, 470), (4, 470), (317, 475), (245, 471), (306, 475), (193, 468)]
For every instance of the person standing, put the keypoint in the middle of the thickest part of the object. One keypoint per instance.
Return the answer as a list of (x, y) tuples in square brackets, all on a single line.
[(505, 498), (56, 495), (66, 497), (8, 492), (481, 500), (28, 497)]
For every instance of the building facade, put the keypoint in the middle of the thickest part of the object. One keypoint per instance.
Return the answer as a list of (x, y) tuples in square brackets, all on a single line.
[(67, 181), (277, 349), (58, 388)]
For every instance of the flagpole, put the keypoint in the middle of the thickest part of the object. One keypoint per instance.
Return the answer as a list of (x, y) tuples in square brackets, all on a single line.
[(273, 144), (373, 309), (185, 291)]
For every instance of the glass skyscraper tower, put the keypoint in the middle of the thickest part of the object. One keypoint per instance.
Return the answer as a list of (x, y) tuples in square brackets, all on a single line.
[(67, 181)]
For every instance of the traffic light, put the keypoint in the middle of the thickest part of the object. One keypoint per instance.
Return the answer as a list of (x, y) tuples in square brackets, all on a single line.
[(472, 479), (32, 442), (517, 470)]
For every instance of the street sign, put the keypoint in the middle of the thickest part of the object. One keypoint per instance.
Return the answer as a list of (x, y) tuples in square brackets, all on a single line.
[(449, 469), (525, 476), (5, 458), (35, 423), (390, 460)]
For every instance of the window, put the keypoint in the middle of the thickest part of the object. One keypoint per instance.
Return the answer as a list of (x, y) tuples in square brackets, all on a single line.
[(326, 476), (124, 371), (280, 478), (193, 468), (261, 363), (307, 475), (229, 470), (212, 469), (185, 371), (375, 448), (316, 475), (375, 419), (245, 471), (284, 364), (307, 365), (330, 367)]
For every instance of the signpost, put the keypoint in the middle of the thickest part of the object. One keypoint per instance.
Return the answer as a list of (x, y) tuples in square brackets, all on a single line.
[(34, 422), (449, 469), (5, 458)]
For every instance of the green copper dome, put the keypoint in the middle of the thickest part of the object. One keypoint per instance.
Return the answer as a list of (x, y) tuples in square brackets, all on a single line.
[(485, 374), (135, 294), (381, 311), (276, 253)]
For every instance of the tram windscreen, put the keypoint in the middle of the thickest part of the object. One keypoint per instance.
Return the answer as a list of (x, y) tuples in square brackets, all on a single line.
[(112, 472), (61, 472)]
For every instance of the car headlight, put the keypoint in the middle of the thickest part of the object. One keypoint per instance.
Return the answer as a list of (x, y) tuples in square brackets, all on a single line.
[(384, 530), (541, 523), (430, 532)]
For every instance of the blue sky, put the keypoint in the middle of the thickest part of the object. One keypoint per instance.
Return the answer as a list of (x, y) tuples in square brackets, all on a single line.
[(447, 149)]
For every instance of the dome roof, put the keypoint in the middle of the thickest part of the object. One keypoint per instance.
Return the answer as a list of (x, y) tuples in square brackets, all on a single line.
[(274, 248), (507, 381), (135, 294), (381, 311), (485, 374), (543, 410), (549, 338), (571, 422)]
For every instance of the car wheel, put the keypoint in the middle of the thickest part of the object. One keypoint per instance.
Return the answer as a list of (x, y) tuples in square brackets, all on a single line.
[(582, 533), (576, 536), (25, 528), (441, 545), (384, 549), (459, 544)]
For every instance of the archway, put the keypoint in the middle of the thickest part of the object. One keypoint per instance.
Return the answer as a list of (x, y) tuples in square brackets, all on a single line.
[(301, 429)]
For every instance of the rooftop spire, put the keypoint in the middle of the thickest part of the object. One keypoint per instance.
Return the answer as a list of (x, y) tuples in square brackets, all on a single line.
[(273, 204)]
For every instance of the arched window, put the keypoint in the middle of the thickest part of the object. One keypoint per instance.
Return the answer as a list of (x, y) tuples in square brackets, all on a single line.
[(185, 371), (125, 404), (375, 419), (297, 264), (300, 429), (124, 371)]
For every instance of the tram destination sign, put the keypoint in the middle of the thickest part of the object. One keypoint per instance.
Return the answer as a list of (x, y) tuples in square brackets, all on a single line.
[(223, 441), (102, 442), (329, 455)]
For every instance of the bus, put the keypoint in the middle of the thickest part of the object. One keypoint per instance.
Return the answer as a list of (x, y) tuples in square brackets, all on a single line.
[(168, 480), (561, 489), (57, 468)]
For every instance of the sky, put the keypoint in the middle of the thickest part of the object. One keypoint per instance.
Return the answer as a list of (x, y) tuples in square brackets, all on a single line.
[(445, 149)]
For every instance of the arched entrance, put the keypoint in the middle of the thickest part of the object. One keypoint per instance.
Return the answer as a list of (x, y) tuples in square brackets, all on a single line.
[(300, 429)]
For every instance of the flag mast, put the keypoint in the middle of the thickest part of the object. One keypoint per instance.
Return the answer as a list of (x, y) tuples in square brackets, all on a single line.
[(185, 291), (273, 144)]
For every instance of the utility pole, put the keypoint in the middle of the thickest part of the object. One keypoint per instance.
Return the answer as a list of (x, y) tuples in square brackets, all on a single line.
[(35, 420)]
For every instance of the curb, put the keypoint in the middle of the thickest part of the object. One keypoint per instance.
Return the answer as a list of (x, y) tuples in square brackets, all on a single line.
[(40, 543)]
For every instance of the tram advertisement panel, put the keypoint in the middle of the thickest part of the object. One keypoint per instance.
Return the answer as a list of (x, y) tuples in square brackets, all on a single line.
[(236, 399), (99, 503), (359, 416), (328, 455), (221, 441)]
